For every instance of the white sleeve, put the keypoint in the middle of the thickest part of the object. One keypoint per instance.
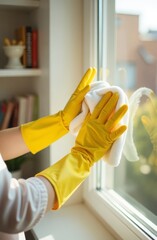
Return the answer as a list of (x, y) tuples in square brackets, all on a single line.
[(22, 202)]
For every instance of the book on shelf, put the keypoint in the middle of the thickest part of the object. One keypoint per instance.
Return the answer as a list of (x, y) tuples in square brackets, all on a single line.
[(29, 36), (34, 48), (3, 105), (17, 111), (8, 114), (14, 118), (32, 107), (21, 36), (28, 108), (22, 109), (28, 46)]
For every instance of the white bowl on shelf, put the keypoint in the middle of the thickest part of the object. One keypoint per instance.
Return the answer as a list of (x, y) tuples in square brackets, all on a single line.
[(14, 54)]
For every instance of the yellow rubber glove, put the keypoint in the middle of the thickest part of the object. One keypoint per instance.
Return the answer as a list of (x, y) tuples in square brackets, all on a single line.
[(41, 133), (95, 138)]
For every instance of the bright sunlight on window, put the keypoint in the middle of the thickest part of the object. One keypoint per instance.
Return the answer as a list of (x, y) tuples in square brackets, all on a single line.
[(134, 182)]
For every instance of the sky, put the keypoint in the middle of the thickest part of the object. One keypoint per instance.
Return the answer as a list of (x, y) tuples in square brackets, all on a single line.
[(147, 9)]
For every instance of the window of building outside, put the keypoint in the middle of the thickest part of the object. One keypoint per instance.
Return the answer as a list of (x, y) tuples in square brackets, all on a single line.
[(134, 182)]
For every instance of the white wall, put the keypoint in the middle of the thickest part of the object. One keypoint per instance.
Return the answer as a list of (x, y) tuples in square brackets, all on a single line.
[(66, 59), (66, 65)]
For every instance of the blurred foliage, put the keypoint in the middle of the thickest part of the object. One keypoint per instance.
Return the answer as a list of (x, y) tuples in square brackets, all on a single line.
[(143, 173), (16, 163)]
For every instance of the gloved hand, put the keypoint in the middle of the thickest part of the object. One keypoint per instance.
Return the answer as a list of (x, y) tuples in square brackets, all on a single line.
[(41, 133), (73, 107), (95, 138)]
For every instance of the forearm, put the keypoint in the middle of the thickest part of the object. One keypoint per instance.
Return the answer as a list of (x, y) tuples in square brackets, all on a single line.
[(27, 203), (12, 144)]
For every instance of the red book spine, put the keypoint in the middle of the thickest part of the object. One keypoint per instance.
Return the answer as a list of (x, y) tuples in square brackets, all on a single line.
[(34, 48)]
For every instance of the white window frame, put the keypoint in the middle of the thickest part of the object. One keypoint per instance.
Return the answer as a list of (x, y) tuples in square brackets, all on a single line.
[(111, 213)]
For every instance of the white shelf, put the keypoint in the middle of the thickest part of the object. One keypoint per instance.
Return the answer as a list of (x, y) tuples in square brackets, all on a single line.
[(20, 73), (19, 3)]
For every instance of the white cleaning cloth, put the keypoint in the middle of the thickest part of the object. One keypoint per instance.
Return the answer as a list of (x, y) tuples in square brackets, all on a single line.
[(130, 151), (98, 89)]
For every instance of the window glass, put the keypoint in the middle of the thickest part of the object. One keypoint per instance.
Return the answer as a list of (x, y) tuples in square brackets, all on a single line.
[(135, 179)]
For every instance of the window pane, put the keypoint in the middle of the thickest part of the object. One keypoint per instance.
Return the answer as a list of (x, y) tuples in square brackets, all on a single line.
[(136, 67)]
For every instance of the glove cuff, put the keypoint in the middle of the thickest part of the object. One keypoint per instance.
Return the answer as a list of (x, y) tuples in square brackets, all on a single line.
[(66, 175), (41, 133)]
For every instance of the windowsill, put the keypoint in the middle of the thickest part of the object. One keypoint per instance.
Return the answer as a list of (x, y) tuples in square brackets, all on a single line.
[(110, 213), (71, 222)]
